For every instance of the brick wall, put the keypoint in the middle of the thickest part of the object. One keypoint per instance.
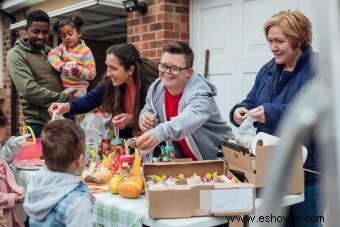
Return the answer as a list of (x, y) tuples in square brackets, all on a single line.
[(7, 81), (165, 20)]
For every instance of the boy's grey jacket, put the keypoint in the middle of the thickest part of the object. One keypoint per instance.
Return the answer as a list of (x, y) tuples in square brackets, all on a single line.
[(47, 190), (199, 120)]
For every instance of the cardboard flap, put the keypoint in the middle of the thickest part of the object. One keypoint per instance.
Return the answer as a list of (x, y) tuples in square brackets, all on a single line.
[(264, 157), (238, 158), (186, 168)]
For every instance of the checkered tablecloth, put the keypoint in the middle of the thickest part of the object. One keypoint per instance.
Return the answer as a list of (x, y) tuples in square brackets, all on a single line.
[(109, 210), (115, 211)]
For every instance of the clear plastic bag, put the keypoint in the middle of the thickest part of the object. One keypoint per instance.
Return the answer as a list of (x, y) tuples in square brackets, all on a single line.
[(94, 127), (246, 132)]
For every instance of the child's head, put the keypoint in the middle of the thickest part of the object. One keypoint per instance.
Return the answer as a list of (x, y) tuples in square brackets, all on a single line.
[(63, 144), (69, 31), (3, 123)]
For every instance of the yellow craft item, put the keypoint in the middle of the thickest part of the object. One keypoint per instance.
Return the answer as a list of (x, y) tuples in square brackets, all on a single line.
[(136, 164), (180, 176), (114, 182), (127, 142), (107, 161), (208, 176), (215, 174), (158, 179)]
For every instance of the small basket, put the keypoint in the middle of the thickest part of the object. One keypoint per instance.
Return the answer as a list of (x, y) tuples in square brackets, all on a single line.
[(32, 148)]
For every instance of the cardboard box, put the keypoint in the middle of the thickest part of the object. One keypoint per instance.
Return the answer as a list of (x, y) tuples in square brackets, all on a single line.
[(239, 160), (179, 201)]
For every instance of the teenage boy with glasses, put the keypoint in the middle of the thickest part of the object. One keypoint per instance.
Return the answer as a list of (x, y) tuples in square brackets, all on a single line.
[(180, 107)]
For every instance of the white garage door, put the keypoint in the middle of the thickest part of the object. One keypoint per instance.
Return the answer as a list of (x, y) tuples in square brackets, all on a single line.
[(232, 31)]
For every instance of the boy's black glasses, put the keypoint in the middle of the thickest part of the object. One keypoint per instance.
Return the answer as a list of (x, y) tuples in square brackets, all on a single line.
[(175, 70)]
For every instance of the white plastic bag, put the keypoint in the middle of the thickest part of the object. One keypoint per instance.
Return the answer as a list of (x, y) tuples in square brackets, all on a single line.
[(94, 127), (246, 132)]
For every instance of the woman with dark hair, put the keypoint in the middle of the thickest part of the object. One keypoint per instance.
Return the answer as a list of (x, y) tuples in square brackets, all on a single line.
[(122, 92)]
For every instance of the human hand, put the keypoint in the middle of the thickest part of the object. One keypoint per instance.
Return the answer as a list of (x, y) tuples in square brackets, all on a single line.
[(122, 120), (20, 140), (19, 198), (75, 70), (64, 70), (17, 142), (258, 113), (147, 142), (147, 122), (59, 108), (240, 115)]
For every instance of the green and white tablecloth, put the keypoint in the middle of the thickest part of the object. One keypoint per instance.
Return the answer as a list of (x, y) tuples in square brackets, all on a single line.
[(109, 210), (113, 210)]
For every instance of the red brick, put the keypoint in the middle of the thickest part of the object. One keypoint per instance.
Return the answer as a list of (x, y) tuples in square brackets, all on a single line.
[(134, 22), (144, 28), (136, 30), (130, 31), (169, 26), (148, 36), (174, 1), (150, 2), (133, 39), (183, 27), (153, 10), (172, 17), (184, 18), (185, 2), (149, 53), (156, 44), (160, 35), (156, 26), (149, 19), (171, 35), (182, 9), (167, 8), (185, 36), (160, 25), (130, 16), (145, 45), (161, 17)]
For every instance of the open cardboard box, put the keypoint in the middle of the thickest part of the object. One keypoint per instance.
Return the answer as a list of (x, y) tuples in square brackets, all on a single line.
[(239, 160), (179, 201)]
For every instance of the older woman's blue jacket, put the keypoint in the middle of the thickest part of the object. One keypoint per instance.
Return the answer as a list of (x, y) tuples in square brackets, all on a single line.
[(276, 94)]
